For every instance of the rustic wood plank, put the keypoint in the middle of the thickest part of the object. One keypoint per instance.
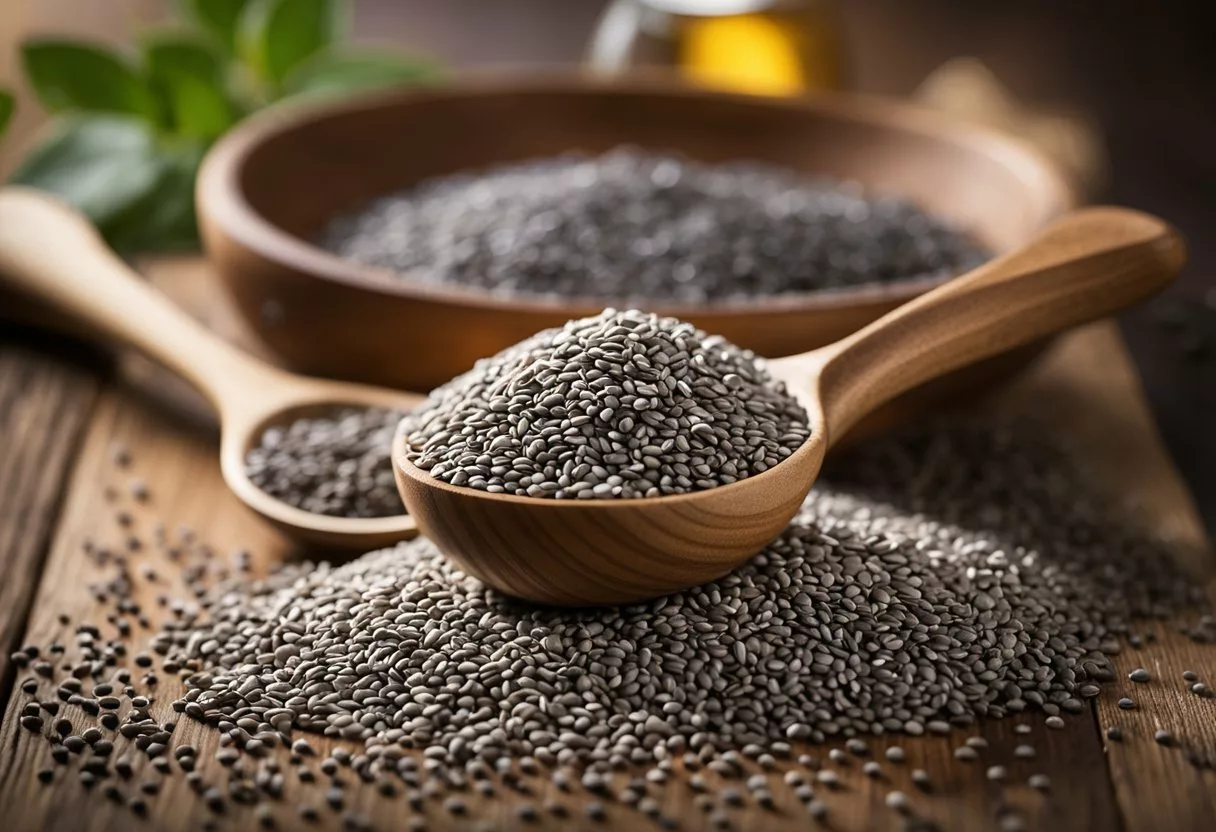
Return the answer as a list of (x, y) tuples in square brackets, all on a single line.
[(1164, 787), (177, 461), (44, 404), (1101, 405)]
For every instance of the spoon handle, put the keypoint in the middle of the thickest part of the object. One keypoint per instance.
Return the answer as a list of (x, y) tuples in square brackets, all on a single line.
[(1087, 265), (53, 254)]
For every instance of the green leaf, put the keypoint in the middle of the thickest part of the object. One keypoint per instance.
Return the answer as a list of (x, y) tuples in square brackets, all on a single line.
[(218, 17), (278, 35), (333, 72), (164, 219), (189, 76), (182, 52), (101, 164), (81, 76), (7, 105), (200, 109)]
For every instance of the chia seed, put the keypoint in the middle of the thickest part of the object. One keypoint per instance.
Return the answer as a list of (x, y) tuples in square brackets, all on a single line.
[(636, 226), (620, 405), (337, 464)]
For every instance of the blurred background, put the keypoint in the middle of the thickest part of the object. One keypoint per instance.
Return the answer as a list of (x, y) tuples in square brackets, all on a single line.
[(1122, 93)]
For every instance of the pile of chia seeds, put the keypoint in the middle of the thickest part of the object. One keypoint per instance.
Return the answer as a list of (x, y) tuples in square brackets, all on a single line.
[(337, 464), (631, 226), (952, 574), (620, 405)]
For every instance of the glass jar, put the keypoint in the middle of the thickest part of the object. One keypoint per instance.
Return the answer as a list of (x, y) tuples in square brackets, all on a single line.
[(764, 47)]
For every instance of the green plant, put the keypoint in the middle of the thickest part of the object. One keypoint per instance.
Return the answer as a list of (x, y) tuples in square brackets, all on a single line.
[(6, 110), (130, 131)]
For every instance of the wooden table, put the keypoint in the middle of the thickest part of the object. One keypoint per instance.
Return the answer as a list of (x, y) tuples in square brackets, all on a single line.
[(60, 418)]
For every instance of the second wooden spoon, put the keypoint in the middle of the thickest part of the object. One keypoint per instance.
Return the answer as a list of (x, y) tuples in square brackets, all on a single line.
[(54, 255)]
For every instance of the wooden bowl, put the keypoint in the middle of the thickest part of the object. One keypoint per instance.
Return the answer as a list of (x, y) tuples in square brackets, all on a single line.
[(269, 187)]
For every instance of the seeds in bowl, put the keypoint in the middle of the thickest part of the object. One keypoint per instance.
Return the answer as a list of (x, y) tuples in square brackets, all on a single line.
[(629, 226), (336, 463), (620, 405)]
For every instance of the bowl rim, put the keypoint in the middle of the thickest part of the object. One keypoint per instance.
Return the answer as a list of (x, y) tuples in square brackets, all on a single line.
[(222, 202)]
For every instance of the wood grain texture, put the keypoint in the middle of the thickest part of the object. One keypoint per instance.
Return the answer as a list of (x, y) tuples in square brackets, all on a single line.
[(1156, 787), (258, 213), (1085, 388), (44, 406), (1086, 265)]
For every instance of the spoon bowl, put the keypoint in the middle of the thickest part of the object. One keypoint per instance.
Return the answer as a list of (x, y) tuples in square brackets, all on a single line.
[(52, 253), (607, 551), (1085, 266)]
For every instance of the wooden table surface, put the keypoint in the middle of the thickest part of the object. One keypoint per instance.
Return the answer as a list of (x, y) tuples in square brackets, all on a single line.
[(59, 419)]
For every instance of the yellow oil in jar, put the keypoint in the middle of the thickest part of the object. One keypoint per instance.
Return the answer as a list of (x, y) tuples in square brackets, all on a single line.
[(788, 49)]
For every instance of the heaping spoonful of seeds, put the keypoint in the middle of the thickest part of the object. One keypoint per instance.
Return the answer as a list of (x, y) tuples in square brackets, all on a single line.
[(52, 254), (625, 456)]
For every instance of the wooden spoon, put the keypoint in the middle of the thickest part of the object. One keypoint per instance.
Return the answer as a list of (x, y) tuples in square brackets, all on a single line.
[(53, 254), (1086, 265)]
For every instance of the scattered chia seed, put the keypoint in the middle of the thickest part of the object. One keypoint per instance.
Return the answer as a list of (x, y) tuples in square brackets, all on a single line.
[(337, 464), (1139, 675), (1190, 676), (120, 456), (1163, 737), (898, 801), (630, 225), (966, 753), (1127, 704), (1114, 733), (996, 773), (620, 405), (857, 747)]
